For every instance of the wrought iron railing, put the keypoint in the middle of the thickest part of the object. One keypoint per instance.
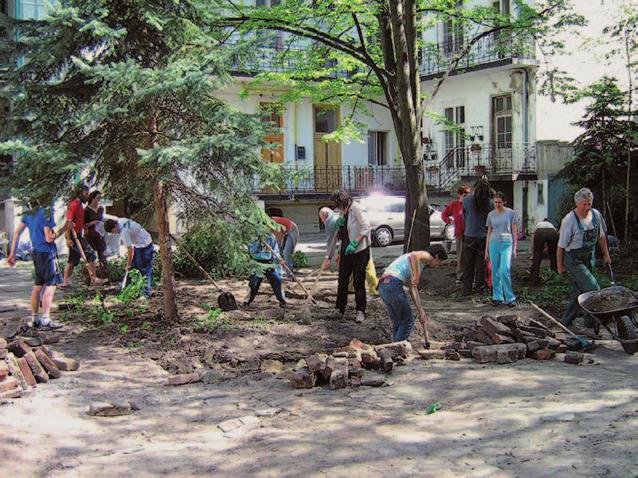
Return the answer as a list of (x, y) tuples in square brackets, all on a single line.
[(437, 58), (326, 179), (476, 160)]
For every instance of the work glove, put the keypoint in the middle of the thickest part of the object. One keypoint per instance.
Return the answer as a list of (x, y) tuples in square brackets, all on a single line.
[(341, 221), (352, 247)]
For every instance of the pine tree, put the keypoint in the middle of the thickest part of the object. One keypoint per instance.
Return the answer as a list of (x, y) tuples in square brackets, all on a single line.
[(123, 91)]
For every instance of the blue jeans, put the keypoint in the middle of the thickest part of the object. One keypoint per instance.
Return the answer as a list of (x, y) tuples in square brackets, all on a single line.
[(143, 262), (396, 301), (501, 258), (274, 278), (290, 242)]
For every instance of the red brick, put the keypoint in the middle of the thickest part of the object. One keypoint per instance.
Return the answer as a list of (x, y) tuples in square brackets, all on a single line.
[(303, 378), (315, 363), (8, 383), (386, 360), (493, 328), (396, 349), (47, 363), (452, 355), (573, 357), (339, 379), (183, 379), (16, 372), (26, 371), (543, 354), (38, 372), (431, 354), (19, 348), (505, 353), (66, 364), (4, 369), (356, 344), (370, 359)]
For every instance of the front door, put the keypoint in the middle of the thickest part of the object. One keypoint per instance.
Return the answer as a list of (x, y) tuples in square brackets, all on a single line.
[(270, 113), (327, 154)]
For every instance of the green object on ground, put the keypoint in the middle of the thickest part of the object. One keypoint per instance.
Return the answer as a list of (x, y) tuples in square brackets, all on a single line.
[(433, 407)]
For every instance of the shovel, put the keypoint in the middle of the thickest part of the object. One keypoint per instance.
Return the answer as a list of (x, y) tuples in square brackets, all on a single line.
[(123, 284), (225, 300), (587, 346)]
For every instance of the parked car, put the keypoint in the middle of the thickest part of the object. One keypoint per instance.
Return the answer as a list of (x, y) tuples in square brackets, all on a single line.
[(387, 219)]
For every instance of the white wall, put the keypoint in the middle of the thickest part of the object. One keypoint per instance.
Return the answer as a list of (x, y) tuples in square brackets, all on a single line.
[(475, 91), (299, 124), (584, 60)]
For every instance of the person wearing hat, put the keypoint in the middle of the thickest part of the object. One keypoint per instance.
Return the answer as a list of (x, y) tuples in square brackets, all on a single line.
[(580, 230)]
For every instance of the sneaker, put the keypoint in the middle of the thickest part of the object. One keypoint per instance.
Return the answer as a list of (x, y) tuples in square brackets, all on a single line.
[(512, 304), (48, 325), (496, 303), (361, 316)]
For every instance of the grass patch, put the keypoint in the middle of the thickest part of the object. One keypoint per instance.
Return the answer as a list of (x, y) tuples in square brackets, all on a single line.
[(215, 319)]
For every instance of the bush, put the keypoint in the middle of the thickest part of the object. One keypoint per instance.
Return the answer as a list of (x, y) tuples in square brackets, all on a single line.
[(299, 259)]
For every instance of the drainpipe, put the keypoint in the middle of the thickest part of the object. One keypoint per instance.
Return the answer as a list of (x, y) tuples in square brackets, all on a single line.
[(525, 113)]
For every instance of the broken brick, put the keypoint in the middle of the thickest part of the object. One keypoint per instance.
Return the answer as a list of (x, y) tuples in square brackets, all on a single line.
[(483, 337), (339, 379), (49, 366), (499, 353), (386, 360), (431, 354), (536, 345), (303, 378), (3, 343), (64, 363), (493, 328), (396, 349), (356, 344), (183, 379), (370, 359), (26, 371), (32, 341), (38, 372), (472, 343), (19, 348), (543, 354), (4, 369), (573, 357), (14, 368), (8, 383), (316, 363), (508, 320), (452, 355)]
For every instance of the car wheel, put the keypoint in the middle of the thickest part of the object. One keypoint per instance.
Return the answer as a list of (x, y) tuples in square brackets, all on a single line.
[(448, 232), (383, 236)]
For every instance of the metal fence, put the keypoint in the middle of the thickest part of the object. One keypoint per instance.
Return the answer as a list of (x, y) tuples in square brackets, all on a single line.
[(326, 179), (437, 58)]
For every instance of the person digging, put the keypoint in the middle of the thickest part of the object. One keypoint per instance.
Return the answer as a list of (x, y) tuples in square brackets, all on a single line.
[(273, 274), (406, 270)]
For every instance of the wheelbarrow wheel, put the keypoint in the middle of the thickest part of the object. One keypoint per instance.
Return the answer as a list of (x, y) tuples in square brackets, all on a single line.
[(627, 331)]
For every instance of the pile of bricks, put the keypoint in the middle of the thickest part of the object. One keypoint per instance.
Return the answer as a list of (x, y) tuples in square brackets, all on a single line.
[(26, 361), (346, 366), (508, 338)]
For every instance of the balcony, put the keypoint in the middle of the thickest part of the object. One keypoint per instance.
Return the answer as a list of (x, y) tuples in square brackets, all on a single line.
[(321, 181), (492, 50), (509, 162)]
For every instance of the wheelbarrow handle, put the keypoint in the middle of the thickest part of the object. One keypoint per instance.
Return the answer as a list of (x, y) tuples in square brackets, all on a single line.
[(611, 274), (548, 316)]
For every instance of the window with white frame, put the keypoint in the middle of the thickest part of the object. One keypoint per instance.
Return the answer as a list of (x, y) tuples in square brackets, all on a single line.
[(377, 148), (502, 121), (454, 136), (453, 35)]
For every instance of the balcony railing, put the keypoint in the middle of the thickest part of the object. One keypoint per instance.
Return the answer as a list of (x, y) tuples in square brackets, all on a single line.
[(493, 48), (324, 180), (511, 160)]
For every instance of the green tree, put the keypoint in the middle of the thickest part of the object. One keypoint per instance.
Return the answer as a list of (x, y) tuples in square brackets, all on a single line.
[(124, 91), (363, 51), (600, 151), (624, 36)]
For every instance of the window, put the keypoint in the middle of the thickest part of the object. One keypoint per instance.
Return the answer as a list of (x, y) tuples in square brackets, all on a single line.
[(453, 35), (502, 6), (377, 148), (326, 120), (502, 121), (540, 191), (454, 139)]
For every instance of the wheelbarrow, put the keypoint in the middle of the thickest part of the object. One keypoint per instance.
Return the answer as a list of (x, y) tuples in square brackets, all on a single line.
[(615, 309)]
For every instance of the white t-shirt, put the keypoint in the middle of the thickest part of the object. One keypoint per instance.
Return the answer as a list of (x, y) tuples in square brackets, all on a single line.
[(571, 237), (545, 225), (132, 234)]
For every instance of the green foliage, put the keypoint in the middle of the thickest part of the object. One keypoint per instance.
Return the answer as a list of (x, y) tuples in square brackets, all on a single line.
[(106, 317), (600, 152), (299, 259), (135, 288), (215, 319), (123, 328)]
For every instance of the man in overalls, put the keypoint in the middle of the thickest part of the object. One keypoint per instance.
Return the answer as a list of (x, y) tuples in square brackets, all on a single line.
[(580, 230)]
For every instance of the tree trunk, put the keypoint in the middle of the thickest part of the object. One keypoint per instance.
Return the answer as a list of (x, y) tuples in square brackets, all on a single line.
[(630, 92), (166, 252)]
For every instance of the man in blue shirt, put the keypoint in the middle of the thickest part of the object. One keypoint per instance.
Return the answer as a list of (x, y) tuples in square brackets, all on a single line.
[(40, 223)]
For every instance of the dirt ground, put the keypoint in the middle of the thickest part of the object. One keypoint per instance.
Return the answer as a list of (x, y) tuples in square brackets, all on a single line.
[(529, 419)]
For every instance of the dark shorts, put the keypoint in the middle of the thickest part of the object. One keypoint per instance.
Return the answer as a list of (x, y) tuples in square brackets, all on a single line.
[(46, 271), (74, 253)]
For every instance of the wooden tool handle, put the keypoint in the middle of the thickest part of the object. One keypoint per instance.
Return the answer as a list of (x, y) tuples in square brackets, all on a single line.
[(283, 263), (546, 315), (195, 263), (78, 244)]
